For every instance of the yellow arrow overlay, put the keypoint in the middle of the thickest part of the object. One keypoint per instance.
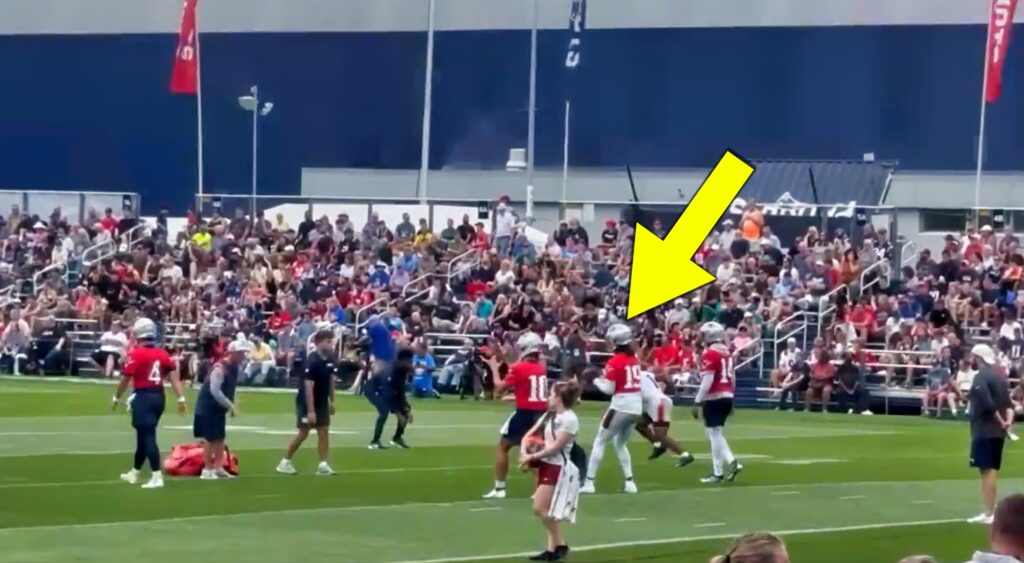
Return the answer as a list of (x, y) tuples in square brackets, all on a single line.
[(664, 269)]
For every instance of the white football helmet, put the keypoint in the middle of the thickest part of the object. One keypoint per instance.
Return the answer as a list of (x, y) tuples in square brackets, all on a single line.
[(529, 343), (144, 328), (619, 335), (712, 332)]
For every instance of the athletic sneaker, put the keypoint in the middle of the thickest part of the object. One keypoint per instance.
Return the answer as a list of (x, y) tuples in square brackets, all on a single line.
[(982, 518), (286, 467), (562, 551), (400, 443), (376, 446), (546, 556), (685, 459), (208, 475), (657, 452), (734, 470), (155, 482), (1013, 437), (495, 494), (630, 487), (712, 479), (587, 488), (324, 469), (222, 473), (131, 477)]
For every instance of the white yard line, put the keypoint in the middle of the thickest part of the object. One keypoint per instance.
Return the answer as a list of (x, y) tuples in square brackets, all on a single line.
[(685, 539), (486, 509), (630, 520), (710, 525), (852, 497), (782, 493)]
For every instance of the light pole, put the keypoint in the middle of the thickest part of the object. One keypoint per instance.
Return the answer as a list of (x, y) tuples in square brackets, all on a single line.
[(251, 103), (531, 121)]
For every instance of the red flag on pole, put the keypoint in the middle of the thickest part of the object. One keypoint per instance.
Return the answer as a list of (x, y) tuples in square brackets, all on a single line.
[(185, 76), (999, 27)]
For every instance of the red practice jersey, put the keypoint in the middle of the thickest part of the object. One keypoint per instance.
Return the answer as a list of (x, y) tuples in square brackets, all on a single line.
[(718, 362), (147, 367), (529, 382), (624, 371)]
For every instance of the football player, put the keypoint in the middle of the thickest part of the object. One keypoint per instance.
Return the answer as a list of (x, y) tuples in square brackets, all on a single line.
[(314, 405), (146, 368), (621, 380), (714, 401), (528, 379), (656, 420)]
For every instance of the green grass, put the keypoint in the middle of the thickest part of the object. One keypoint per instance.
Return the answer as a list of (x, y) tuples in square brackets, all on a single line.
[(839, 488)]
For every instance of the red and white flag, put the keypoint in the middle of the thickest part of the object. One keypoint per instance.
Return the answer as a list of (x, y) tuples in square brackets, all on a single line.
[(1000, 25), (185, 76)]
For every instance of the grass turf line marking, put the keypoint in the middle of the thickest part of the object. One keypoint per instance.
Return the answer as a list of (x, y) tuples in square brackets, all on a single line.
[(489, 509), (665, 541), (630, 520), (781, 493), (852, 497), (709, 525), (922, 502), (414, 505)]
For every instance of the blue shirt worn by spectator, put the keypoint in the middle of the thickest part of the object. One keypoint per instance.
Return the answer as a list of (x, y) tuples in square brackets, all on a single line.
[(408, 262), (423, 370), (484, 309), (379, 278)]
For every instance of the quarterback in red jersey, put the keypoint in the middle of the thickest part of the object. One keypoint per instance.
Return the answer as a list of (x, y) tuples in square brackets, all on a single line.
[(145, 369), (714, 401), (528, 380), (621, 380)]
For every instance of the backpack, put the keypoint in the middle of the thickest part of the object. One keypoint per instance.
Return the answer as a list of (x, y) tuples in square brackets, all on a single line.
[(186, 460)]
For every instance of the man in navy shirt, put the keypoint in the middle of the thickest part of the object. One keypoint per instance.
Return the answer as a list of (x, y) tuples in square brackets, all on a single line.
[(314, 404)]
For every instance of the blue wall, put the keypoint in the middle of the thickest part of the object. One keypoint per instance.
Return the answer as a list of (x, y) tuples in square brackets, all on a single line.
[(94, 112)]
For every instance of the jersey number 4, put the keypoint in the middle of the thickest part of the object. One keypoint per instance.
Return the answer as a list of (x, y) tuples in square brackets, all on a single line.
[(154, 374), (538, 388)]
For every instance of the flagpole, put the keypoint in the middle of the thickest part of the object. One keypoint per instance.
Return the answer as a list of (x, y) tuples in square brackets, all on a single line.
[(981, 120), (428, 90), (565, 153), (199, 116), (531, 125)]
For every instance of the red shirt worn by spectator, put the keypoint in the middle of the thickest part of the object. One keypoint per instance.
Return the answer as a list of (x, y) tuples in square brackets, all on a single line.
[(687, 357), (475, 288), (822, 373), (109, 223), (666, 355)]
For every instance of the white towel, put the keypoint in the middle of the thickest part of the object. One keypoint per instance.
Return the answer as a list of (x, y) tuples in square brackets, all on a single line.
[(565, 500)]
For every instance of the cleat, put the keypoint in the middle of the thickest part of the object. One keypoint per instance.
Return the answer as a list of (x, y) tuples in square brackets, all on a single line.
[(734, 470), (630, 487), (376, 446), (546, 556), (587, 488), (981, 519), (131, 477), (325, 469), (562, 551), (155, 482), (495, 494), (222, 473), (712, 479), (400, 443), (208, 475), (286, 467), (684, 460), (657, 452)]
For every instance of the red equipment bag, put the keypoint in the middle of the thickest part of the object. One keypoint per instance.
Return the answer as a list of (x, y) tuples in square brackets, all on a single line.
[(186, 460)]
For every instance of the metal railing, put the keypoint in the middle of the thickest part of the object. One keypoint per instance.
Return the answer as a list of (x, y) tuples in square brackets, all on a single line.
[(453, 272), (413, 282), (36, 286), (880, 265), (757, 345), (98, 252), (779, 326), (826, 307), (908, 253), (128, 237), (359, 313)]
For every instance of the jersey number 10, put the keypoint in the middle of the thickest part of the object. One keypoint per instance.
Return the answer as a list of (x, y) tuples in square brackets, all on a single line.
[(538, 388)]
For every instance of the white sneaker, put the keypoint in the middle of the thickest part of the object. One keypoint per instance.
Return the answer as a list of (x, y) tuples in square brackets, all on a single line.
[(208, 475), (155, 482), (286, 467), (869, 413), (587, 488), (1013, 437), (324, 469), (630, 488), (495, 494), (222, 473), (982, 518), (131, 477)]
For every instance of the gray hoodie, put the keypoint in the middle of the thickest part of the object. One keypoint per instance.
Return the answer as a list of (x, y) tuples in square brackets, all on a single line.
[(981, 557)]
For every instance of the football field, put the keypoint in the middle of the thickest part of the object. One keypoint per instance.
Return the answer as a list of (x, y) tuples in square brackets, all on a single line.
[(839, 488)]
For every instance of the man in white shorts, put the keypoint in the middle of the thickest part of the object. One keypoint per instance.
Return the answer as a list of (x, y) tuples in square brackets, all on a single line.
[(656, 420)]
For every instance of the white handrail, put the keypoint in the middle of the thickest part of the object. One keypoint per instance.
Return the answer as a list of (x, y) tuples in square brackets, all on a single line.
[(127, 236), (778, 326), (359, 312), (95, 249), (905, 252), (405, 288), (451, 265), (757, 343), (881, 264), (36, 288)]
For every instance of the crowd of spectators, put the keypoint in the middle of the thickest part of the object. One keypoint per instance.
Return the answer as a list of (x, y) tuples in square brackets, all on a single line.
[(462, 294)]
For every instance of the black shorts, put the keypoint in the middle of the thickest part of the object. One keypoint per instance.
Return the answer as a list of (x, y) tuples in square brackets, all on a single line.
[(987, 453), (323, 417), (100, 357), (518, 424), (147, 408), (210, 426), (716, 411)]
